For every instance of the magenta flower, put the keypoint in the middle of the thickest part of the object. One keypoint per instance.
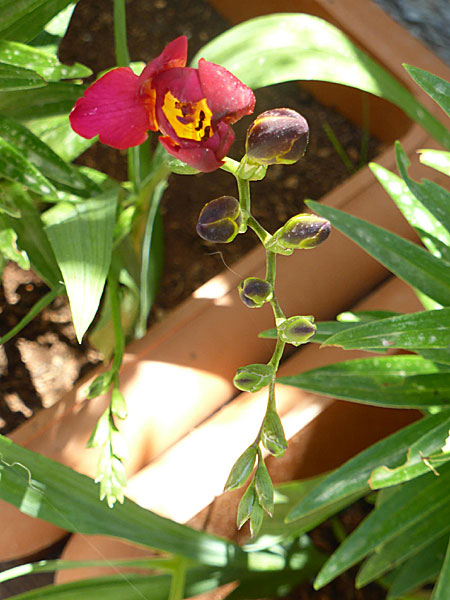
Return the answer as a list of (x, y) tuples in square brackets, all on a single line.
[(192, 108)]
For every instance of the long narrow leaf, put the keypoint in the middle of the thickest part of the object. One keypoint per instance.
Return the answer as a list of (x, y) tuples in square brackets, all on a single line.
[(419, 504), (408, 261), (419, 217), (81, 237), (422, 568), (443, 584), (57, 133), (402, 381), (43, 488), (16, 78), (434, 197), (437, 159), (53, 99), (435, 86), (353, 477), (22, 20), (426, 329), (291, 46)]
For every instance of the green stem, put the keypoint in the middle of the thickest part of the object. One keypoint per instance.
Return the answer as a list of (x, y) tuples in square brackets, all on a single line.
[(277, 354), (178, 580), (33, 312), (120, 34), (230, 165), (119, 338), (262, 234), (244, 194), (271, 267)]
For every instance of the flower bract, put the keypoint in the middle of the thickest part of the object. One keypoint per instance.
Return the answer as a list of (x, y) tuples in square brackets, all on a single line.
[(192, 108)]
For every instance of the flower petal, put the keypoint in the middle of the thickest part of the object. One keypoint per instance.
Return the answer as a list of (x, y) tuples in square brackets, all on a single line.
[(173, 55), (112, 108), (228, 97)]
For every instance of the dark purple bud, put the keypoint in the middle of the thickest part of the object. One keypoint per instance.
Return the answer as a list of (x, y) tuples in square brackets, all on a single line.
[(255, 292), (220, 220), (302, 232), (277, 136)]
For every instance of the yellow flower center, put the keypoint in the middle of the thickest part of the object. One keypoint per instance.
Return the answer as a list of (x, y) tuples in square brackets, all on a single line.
[(190, 120)]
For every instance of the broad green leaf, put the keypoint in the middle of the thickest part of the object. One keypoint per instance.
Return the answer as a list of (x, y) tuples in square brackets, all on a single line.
[(14, 79), (426, 329), (45, 64), (81, 237), (43, 488), (15, 167), (292, 46), (435, 86), (31, 236), (49, 164), (51, 100), (8, 247), (434, 197), (57, 133), (401, 381), (396, 529), (22, 20), (443, 583), (408, 261), (422, 568), (351, 480), (424, 222), (438, 356), (419, 459), (437, 159)]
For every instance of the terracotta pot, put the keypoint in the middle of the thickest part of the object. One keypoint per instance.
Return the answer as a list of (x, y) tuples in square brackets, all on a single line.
[(184, 365)]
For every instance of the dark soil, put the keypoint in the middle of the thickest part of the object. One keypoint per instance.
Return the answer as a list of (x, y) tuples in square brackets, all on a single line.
[(44, 361)]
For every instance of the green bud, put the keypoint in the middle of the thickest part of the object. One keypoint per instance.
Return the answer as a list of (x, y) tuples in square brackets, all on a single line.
[(272, 434), (264, 488), (241, 469), (100, 385), (277, 136), (256, 519), (255, 292), (252, 378), (248, 502), (118, 404), (220, 220), (302, 232), (296, 330)]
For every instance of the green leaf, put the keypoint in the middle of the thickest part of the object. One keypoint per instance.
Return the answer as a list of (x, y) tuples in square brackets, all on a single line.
[(22, 20), (45, 64), (420, 457), (57, 133), (351, 480), (426, 329), (434, 197), (53, 99), (424, 222), (435, 86), (422, 568), (43, 488), (54, 31), (402, 381), (397, 529), (291, 46), (408, 261), (31, 236), (16, 79), (8, 247), (443, 583), (437, 159), (81, 237), (49, 164)]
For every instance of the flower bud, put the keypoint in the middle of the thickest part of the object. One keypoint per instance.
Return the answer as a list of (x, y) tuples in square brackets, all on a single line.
[(264, 488), (272, 434), (302, 232), (255, 292), (242, 469), (220, 220), (253, 377), (277, 136), (297, 330)]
